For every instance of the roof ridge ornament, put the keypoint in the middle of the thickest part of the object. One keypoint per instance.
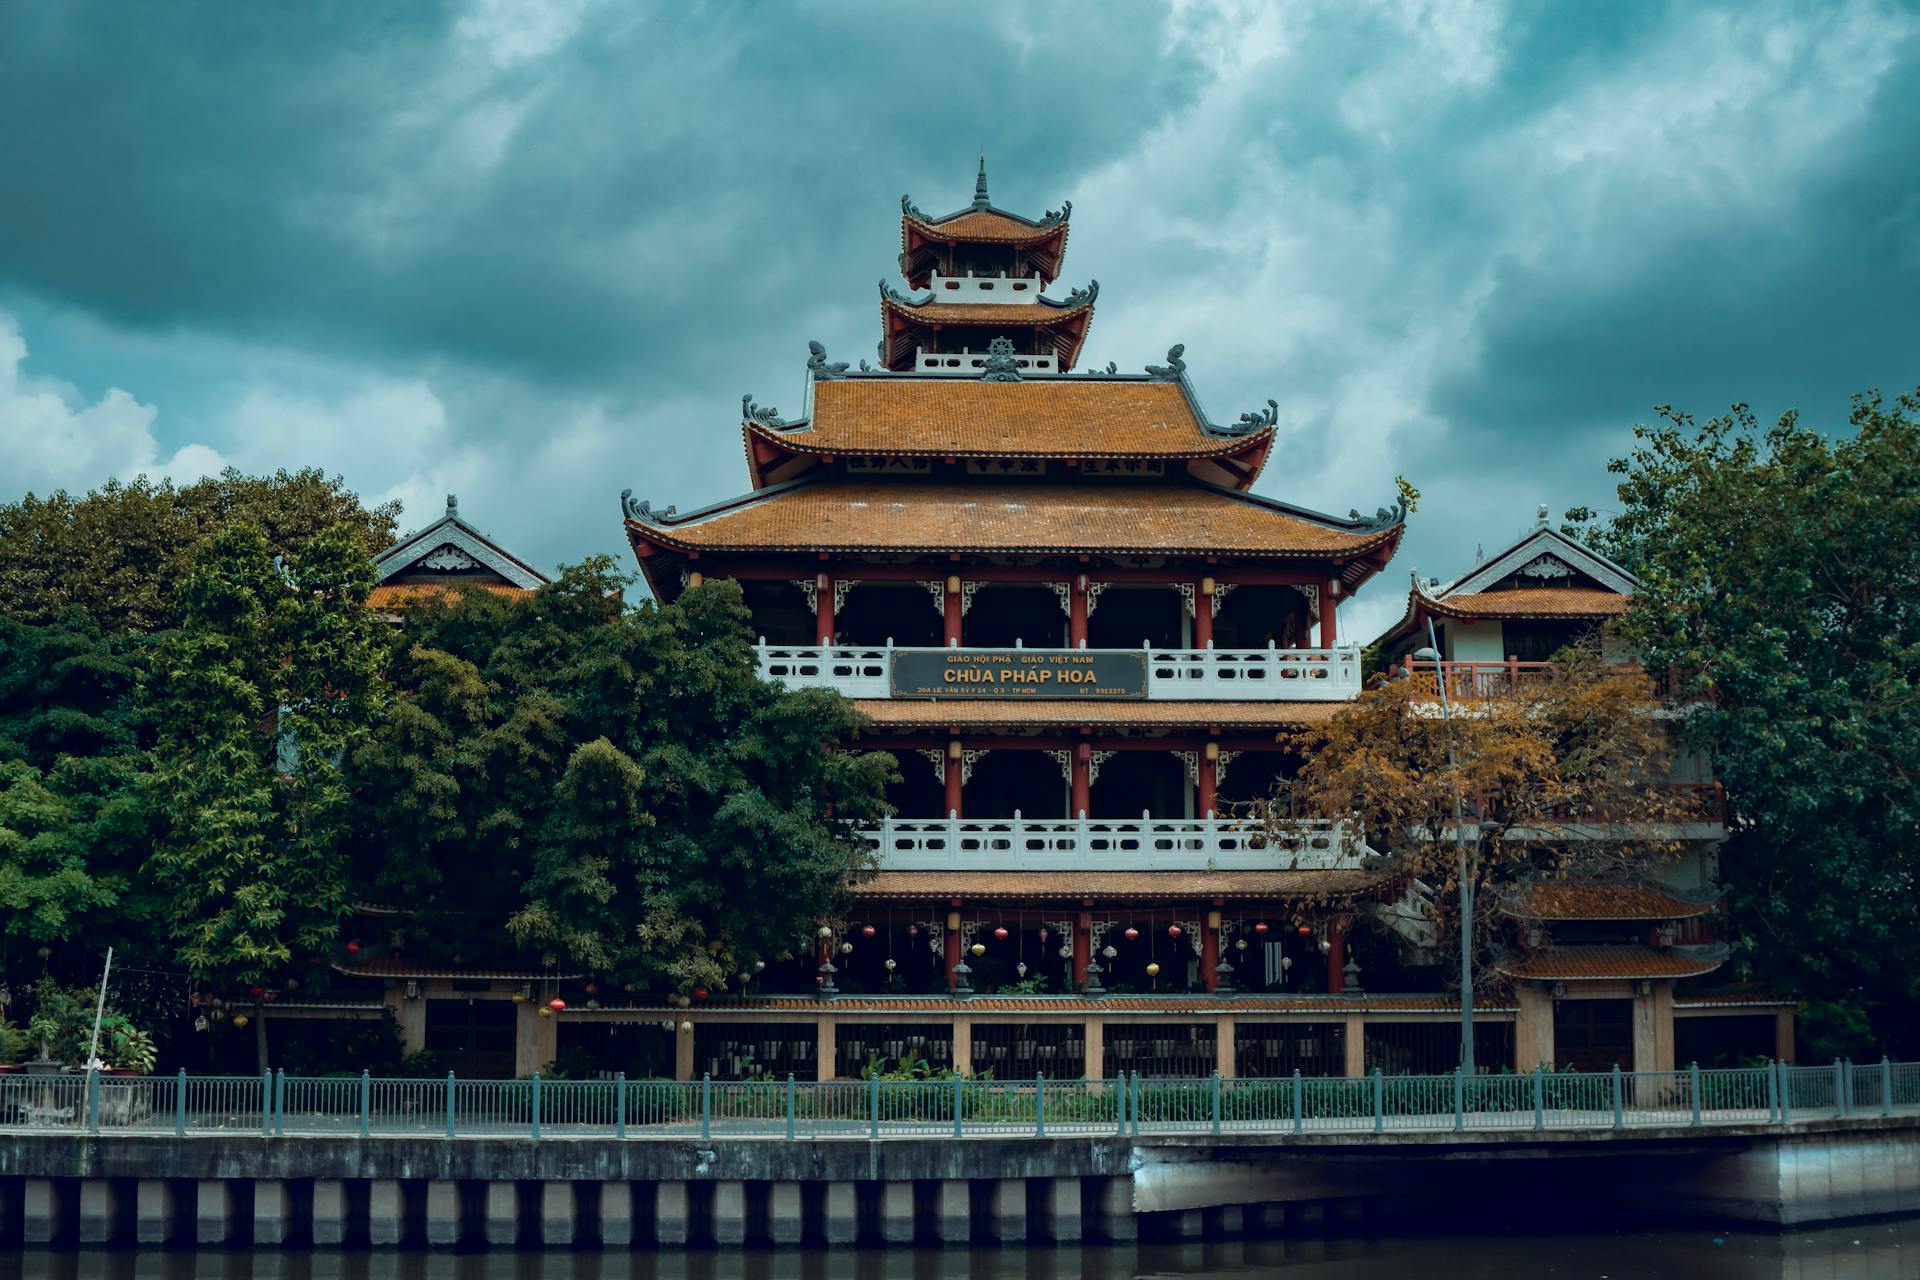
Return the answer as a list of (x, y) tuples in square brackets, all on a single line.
[(817, 364), (1258, 420), (1000, 366), (890, 294), (1384, 518), (980, 200), (641, 510), (1054, 217), (1083, 297), (766, 417), (912, 210), (1174, 369)]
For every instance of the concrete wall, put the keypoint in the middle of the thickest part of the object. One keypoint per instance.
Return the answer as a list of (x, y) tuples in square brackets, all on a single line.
[(233, 1189)]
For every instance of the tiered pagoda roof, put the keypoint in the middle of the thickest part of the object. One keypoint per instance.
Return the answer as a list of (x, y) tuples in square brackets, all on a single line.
[(925, 240), (906, 322)]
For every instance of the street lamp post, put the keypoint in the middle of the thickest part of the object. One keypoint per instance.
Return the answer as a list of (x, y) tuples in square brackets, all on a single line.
[(1432, 654)]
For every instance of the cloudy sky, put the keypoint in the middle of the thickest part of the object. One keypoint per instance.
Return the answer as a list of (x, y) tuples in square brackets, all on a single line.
[(535, 253)]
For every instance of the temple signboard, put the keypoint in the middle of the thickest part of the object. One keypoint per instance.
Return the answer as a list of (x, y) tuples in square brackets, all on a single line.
[(1018, 673)]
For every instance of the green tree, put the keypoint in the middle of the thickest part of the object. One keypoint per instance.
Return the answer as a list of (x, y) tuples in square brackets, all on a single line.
[(1781, 572), (274, 674), (603, 779), (120, 554)]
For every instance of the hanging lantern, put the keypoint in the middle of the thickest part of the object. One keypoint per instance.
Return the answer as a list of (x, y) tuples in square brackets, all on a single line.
[(1260, 928), (593, 988), (1021, 968), (1001, 933), (353, 948), (686, 1028), (867, 931), (256, 991), (1153, 969), (758, 965), (913, 931), (743, 977), (1132, 934), (825, 932), (200, 1022), (699, 993), (240, 1019), (1326, 945), (1109, 951), (1173, 931), (978, 948), (1305, 931), (556, 1004), (519, 997), (890, 964), (1044, 935), (846, 948), (293, 984), (1239, 944)]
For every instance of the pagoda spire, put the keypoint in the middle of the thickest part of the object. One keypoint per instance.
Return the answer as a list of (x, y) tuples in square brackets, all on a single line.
[(980, 200)]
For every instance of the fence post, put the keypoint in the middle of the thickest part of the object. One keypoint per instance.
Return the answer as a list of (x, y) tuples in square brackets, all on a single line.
[(1040, 1105), (1134, 1107), (1459, 1100), (873, 1103), (450, 1093), (1120, 1100), (790, 1101), (280, 1102), (1299, 1112), (93, 1100), (366, 1100), (1539, 1095), (706, 1104), (1773, 1094), (536, 1106), (1693, 1079), (266, 1104), (1216, 1104), (1786, 1093), (180, 1104), (1886, 1085), (1379, 1100), (1839, 1097), (1619, 1111), (959, 1084)]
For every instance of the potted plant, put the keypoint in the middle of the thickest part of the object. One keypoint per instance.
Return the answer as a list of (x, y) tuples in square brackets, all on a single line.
[(129, 1050), (13, 1045), (62, 1026)]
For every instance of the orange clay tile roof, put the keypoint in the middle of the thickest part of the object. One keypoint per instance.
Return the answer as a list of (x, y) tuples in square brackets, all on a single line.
[(1051, 418), (1118, 884), (1331, 1008), (389, 595), (1572, 964), (1000, 517), (1600, 902), (401, 967), (984, 226), (902, 713), (996, 313), (1536, 602)]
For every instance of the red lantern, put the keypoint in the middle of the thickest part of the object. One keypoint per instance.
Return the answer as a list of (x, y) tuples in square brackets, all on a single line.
[(1305, 931), (593, 988), (1001, 933), (256, 992), (556, 1004), (1261, 927), (699, 993), (353, 948), (1173, 931), (913, 931), (1132, 934), (867, 931)]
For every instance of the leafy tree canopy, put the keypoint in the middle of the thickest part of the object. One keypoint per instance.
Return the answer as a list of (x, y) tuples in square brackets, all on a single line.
[(120, 554), (604, 781), (1781, 583)]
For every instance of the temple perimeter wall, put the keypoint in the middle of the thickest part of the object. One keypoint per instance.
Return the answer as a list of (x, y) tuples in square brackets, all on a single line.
[(584, 1192)]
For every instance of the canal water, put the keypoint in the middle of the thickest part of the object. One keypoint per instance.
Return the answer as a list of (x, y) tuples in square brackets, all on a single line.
[(1874, 1251)]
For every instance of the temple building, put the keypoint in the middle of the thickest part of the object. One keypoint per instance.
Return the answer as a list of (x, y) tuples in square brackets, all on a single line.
[(448, 555)]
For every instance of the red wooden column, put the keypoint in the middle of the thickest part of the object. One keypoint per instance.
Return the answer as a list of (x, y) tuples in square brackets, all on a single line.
[(1329, 599), (1082, 948), (953, 611), (823, 609), (952, 940), (1210, 951), (954, 777), (1082, 780), (1203, 614), (1337, 955), (1077, 612), (1206, 801)]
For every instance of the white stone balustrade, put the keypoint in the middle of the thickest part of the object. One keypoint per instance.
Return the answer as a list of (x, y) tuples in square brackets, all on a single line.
[(1193, 675), (1110, 844)]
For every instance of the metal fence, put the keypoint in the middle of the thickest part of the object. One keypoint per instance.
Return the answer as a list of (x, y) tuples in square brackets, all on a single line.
[(274, 1104)]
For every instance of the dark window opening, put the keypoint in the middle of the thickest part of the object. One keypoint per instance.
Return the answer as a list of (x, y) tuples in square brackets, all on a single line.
[(1005, 782), (1253, 617), (1026, 1050), (755, 1050), (474, 1036), (860, 1047), (1282, 1048), (920, 793), (905, 613), (779, 612), (1134, 782), (1003, 616), (1161, 1048), (1593, 1035), (1127, 617)]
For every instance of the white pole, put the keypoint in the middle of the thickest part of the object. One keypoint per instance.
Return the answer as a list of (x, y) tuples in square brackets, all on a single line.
[(99, 1011)]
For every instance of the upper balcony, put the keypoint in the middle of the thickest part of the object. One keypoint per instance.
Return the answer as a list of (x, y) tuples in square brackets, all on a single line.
[(1224, 675)]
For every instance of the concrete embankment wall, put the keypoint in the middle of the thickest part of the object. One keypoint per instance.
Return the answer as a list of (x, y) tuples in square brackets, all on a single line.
[(580, 1192)]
